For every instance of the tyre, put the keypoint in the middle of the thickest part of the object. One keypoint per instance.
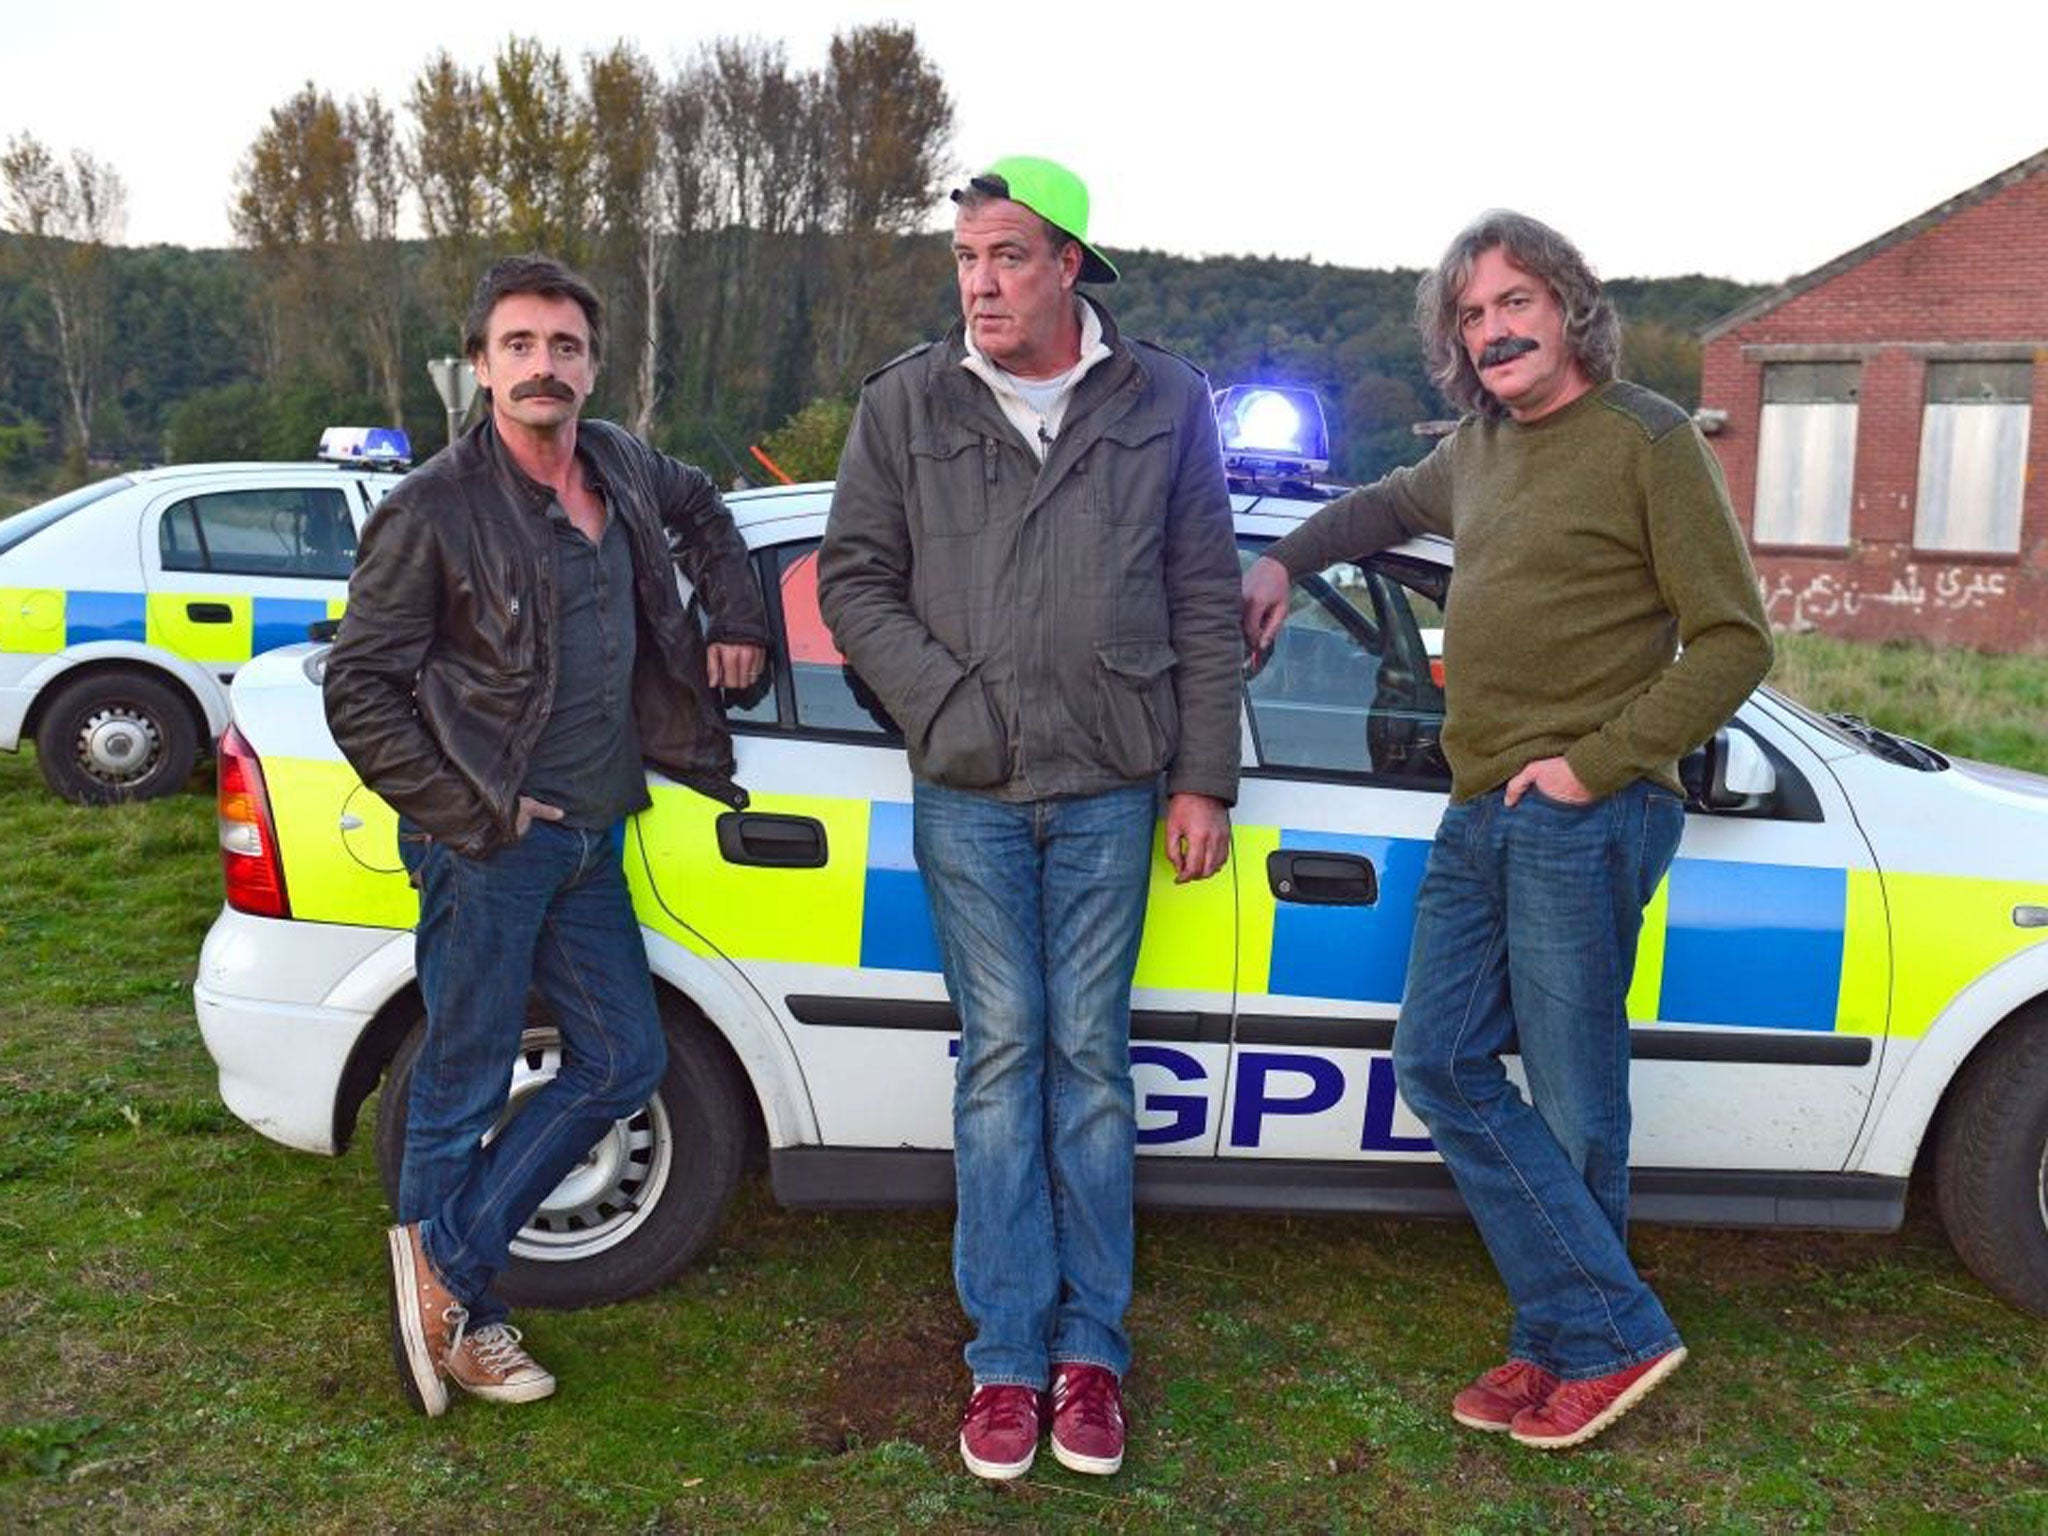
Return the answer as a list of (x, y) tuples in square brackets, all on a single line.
[(642, 1204), (1991, 1162), (114, 736)]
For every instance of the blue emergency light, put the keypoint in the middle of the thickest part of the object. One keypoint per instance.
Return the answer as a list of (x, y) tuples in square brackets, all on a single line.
[(370, 447), (1271, 430)]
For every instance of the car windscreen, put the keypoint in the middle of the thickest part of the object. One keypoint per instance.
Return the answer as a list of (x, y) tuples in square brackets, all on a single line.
[(23, 525)]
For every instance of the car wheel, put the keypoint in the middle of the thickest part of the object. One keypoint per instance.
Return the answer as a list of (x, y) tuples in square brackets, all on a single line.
[(116, 736), (647, 1198), (1991, 1163)]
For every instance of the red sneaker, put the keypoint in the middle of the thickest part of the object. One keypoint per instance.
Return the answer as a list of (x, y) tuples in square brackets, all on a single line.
[(999, 1435), (1579, 1410), (1087, 1419), (1492, 1401)]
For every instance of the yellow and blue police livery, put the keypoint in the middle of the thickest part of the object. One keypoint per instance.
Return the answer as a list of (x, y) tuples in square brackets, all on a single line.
[(1842, 977), (127, 606)]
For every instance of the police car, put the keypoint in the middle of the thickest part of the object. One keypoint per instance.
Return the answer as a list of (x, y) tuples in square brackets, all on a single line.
[(1843, 977), (128, 605)]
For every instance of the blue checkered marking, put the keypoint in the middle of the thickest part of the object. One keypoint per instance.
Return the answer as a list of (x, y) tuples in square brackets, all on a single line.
[(1754, 944), (1352, 952), (90, 616), (279, 621), (896, 920)]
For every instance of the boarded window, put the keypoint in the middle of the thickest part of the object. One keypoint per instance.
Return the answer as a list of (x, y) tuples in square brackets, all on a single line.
[(1973, 456), (1806, 453)]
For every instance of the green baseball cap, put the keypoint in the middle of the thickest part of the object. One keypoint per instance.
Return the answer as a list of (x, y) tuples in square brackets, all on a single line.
[(1056, 195)]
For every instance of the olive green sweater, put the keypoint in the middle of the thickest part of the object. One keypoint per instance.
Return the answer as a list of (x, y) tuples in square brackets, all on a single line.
[(1591, 544)]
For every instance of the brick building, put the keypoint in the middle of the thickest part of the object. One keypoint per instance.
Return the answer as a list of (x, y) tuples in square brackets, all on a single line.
[(1874, 420)]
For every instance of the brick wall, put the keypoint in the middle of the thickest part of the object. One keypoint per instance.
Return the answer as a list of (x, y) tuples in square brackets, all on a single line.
[(1972, 281)]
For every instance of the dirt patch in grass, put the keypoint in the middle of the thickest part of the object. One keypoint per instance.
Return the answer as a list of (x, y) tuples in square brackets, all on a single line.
[(889, 1380)]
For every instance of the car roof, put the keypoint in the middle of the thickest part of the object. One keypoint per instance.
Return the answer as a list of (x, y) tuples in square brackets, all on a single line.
[(757, 507)]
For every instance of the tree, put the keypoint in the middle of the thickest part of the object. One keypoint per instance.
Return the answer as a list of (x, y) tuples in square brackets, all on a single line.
[(67, 215), (448, 159), (294, 205), (538, 131), (376, 267), (633, 195)]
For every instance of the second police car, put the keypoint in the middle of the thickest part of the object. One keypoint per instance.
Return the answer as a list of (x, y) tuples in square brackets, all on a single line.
[(127, 605), (1842, 978)]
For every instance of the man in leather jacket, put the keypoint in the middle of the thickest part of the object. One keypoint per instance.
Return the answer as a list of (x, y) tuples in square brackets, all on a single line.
[(514, 650), (1029, 560)]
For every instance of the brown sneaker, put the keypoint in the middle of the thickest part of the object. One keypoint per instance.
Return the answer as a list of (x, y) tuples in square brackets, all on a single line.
[(492, 1364), (1579, 1410), (426, 1321), (1492, 1401)]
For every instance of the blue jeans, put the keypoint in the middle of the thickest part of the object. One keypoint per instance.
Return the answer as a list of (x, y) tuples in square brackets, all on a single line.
[(1526, 928), (1038, 909), (549, 912)]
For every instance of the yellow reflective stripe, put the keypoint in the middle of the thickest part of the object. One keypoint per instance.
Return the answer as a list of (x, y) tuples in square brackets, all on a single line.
[(32, 620), (1864, 1000), (1188, 940), (746, 911), (1249, 847), (332, 876), (169, 624), (335, 605), (1951, 930), (1646, 988)]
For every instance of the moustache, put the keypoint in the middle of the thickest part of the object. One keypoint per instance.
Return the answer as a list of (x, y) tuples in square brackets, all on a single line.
[(548, 389), (1506, 350)]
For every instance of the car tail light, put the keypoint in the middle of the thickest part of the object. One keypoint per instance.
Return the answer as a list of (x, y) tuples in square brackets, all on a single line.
[(248, 833)]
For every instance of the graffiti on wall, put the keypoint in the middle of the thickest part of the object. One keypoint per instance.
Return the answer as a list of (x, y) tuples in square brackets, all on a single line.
[(1828, 595)]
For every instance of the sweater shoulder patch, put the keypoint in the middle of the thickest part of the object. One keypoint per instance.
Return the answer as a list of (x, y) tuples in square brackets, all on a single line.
[(899, 359), (1656, 416)]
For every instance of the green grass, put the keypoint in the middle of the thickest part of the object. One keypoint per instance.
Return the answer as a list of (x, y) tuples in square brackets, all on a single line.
[(192, 1326)]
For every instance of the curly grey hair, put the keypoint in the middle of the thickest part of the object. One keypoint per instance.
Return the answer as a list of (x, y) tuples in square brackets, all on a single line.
[(1592, 329)]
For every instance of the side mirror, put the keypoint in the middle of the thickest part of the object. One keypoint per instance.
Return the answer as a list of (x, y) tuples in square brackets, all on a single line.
[(1730, 773)]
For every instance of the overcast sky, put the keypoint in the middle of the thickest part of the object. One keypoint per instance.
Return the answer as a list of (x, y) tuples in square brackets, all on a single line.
[(1741, 139)]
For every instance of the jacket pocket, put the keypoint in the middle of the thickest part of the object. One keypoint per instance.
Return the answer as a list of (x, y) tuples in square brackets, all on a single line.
[(964, 746), (1131, 469), (953, 471), (1137, 717)]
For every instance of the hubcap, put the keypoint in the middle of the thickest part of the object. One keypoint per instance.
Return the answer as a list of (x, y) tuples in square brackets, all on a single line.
[(118, 744), (605, 1198)]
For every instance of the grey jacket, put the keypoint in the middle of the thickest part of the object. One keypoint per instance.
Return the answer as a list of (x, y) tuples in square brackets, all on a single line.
[(1040, 631)]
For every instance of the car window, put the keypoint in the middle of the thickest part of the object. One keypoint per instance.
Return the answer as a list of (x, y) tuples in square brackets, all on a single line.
[(292, 531), (1354, 681), (815, 689)]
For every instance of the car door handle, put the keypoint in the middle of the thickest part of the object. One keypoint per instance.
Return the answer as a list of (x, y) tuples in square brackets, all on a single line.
[(209, 613), (1322, 879), (774, 842)]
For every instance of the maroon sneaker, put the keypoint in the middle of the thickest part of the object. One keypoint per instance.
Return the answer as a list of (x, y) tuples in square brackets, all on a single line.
[(999, 1435), (1579, 1410), (1492, 1401), (1087, 1419)]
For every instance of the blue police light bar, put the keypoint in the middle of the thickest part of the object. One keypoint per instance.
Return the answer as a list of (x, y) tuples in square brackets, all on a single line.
[(1269, 429), (373, 447)]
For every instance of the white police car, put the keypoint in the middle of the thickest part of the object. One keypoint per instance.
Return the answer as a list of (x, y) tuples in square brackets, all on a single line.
[(127, 606), (1843, 974)]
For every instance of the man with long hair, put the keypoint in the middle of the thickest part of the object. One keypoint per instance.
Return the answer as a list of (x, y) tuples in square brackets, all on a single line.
[(1603, 621)]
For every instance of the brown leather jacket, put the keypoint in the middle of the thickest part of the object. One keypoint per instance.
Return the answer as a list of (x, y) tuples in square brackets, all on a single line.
[(445, 669)]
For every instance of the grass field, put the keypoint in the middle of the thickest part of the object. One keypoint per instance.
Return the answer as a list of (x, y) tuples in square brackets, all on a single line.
[(192, 1326)]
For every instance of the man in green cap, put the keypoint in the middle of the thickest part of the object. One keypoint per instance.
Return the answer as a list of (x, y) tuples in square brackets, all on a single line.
[(1030, 562)]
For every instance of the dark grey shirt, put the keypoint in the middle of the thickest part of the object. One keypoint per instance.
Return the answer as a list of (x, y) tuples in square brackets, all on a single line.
[(587, 760)]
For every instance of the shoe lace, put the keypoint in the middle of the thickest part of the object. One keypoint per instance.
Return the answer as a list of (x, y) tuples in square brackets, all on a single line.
[(1001, 1407), (457, 1314), (497, 1347), (1089, 1396)]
